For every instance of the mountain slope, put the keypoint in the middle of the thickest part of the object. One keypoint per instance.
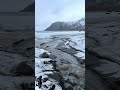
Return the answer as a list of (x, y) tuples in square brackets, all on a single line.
[(67, 26), (29, 8)]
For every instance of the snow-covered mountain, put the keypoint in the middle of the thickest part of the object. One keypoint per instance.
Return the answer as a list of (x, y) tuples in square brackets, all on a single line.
[(68, 26), (81, 22)]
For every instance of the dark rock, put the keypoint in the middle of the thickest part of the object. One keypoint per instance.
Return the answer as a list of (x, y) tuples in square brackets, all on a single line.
[(56, 76), (44, 55), (65, 85), (45, 79), (49, 62), (68, 87), (82, 62), (52, 88), (24, 69), (107, 13), (27, 86), (39, 81)]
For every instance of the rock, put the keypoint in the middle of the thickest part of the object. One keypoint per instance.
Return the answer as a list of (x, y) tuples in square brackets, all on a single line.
[(52, 88), (39, 81), (45, 79), (24, 69), (107, 13), (64, 67), (68, 87), (44, 55), (56, 76), (64, 72), (78, 73), (77, 88), (73, 81), (53, 56), (27, 86)]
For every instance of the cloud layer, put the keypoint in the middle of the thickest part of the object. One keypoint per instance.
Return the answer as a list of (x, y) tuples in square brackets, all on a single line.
[(49, 11)]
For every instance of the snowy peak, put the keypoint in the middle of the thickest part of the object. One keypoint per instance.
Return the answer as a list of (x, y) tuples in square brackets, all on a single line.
[(67, 26), (81, 22)]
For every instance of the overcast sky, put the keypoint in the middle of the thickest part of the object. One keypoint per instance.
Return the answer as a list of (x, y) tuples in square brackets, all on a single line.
[(49, 11)]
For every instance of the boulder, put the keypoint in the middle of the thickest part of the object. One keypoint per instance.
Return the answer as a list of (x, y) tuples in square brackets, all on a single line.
[(24, 69), (44, 55), (78, 73)]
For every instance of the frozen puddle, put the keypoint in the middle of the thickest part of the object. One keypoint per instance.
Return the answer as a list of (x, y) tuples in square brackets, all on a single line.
[(43, 82)]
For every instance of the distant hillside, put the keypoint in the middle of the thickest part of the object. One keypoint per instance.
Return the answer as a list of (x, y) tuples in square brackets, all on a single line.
[(29, 8), (67, 26)]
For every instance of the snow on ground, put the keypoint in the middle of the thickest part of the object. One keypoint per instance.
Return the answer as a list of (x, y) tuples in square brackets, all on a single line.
[(77, 42), (40, 68), (71, 39), (38, 52)]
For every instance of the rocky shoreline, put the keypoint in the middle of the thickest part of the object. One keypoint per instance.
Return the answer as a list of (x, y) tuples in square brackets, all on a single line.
[(102, 51), (16, 60), (68, 69)]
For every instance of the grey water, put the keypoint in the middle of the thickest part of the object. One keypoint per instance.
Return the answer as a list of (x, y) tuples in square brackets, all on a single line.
[(45, 34)]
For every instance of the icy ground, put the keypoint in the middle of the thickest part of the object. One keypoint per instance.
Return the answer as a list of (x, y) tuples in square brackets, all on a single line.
[(68, 51), (75, 40), (78, 43)]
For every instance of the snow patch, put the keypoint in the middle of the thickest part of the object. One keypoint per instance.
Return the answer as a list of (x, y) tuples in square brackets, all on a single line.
[(40, 70)]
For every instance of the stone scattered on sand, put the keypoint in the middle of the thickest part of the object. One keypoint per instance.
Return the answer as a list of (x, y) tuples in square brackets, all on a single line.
[(44, 55)]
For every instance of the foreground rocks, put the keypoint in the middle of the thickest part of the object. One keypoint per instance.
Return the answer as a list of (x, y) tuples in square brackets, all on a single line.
[(16, 60), (44, 55), (24, 69), (67, 70), (67, 79), (102, 52)]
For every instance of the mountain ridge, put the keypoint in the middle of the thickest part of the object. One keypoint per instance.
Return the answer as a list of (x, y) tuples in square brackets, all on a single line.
[(29, 8), (67, 26)]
